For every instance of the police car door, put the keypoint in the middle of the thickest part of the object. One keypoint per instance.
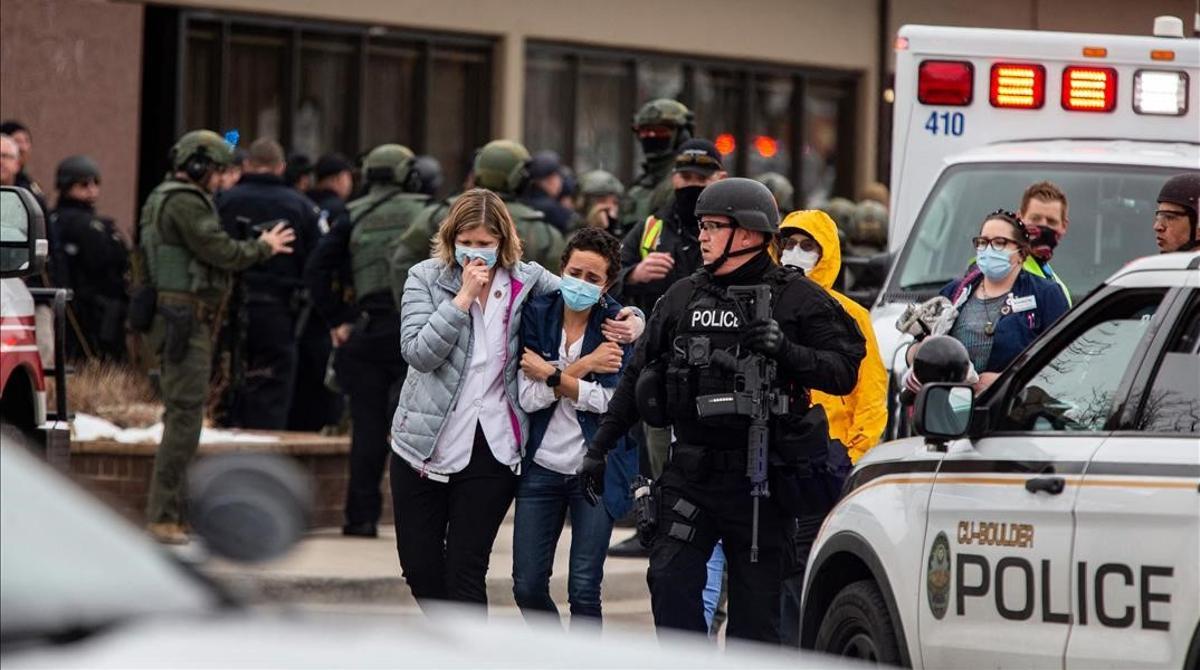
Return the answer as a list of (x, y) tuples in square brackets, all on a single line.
[(1002, 506), (1137, 538)]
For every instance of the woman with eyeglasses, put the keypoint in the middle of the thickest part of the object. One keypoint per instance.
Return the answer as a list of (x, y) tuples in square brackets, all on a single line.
[(1001, 307)]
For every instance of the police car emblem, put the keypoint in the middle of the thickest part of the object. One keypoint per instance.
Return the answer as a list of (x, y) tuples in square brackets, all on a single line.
[(937, 576)]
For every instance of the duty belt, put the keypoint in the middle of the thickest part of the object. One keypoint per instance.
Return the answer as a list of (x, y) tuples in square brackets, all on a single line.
[(205, 312), (711, 459)]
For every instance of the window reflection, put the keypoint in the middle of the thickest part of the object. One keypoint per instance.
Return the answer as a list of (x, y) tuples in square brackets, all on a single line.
[(388, 95), (771, 127)]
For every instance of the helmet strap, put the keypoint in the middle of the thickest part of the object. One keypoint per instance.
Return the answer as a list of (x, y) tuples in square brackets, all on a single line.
[(727, 253)]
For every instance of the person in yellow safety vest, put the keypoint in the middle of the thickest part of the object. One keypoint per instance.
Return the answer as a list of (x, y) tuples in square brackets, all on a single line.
[(1044, 212), (809, 239)]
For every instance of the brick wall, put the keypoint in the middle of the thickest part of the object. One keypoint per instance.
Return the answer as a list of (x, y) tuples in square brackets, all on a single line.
[(119, 473)]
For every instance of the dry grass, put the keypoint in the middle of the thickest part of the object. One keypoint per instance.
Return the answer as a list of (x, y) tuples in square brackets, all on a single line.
[(118, 393)]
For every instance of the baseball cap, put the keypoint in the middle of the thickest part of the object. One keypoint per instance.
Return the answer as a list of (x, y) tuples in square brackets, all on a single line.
[(698, 155), (331, 164), (544, 164)]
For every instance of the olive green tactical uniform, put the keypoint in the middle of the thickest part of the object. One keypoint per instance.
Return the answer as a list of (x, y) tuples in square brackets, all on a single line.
[(652, 189), (188, 258), (383, 219)]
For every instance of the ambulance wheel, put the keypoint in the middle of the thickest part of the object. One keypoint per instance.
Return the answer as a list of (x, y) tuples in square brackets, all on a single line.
[(857, 625)]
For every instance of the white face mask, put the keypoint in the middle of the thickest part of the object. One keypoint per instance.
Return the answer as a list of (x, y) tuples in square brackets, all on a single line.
[(805, 260)]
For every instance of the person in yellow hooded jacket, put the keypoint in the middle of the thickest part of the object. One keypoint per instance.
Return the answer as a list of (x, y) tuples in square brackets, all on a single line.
[(809, 241)]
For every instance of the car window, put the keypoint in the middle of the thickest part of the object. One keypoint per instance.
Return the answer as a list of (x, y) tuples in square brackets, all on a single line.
[(1111, 212), (1173, 402), (1076, 389)]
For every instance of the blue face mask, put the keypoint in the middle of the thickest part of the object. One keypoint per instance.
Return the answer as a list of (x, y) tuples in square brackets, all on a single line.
[(994, 265), (465, 255), (578, 294)]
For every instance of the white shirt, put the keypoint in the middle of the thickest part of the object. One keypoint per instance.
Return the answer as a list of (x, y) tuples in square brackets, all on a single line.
[(482, 400), (562, 446)]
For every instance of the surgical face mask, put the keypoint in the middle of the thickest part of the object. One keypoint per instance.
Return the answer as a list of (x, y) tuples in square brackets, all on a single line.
[(995, 265), (465, 255), (797, 257), (578, 294)]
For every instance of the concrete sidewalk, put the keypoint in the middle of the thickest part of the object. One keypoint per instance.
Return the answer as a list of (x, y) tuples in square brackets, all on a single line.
[(327, 571)]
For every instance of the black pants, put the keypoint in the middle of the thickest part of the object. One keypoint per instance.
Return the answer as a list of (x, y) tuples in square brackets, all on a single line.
[(370, 370), (264, 401), (445, 531), (313, 405), (798, 541), (678, 566)]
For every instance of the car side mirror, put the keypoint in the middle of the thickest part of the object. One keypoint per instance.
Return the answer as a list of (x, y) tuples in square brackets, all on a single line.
[(23, 246), (247, 506), (943, 412)]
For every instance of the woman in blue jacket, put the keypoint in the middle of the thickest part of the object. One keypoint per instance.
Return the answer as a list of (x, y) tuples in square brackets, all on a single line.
[(459, 434), (1001, 306), (568, 374)]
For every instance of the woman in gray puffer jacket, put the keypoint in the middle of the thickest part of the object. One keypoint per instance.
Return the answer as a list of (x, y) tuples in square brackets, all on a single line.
[(459, 432)]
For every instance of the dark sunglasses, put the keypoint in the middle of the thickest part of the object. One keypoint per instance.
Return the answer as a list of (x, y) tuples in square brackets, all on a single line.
[(805, 244)]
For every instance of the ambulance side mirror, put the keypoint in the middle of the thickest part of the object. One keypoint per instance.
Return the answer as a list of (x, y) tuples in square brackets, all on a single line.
[(943, 412), (23, 246)]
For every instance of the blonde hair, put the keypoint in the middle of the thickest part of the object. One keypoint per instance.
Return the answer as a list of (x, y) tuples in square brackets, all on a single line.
[(474, 208)]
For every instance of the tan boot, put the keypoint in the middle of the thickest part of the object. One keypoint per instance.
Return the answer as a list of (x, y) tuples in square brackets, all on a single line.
[(167, 533)]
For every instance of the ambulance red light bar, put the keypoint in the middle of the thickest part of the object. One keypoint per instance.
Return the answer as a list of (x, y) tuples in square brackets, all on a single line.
[(1089, 89), (945, 82), (1018, 86)]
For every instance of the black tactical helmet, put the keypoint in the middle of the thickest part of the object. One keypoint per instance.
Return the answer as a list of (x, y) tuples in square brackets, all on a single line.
[(429, 171), (747, 202), (941, 359), (1183, 190), (781, 187), (75, 169)]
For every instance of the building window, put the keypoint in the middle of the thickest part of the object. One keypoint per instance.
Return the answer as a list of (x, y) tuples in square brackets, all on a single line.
[(580, 101), (319, 87)]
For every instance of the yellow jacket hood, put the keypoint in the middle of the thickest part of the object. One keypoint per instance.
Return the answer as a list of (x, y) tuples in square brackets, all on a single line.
[(821, 228)]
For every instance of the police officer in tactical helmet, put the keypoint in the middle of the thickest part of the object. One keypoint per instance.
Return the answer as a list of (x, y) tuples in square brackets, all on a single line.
[(91, 259), (661, 127), (272, 294), (183, 277), (364, 321), (600, 199), (430, 171), (1176, 227), (780, 187), (699, 342), (504, 166)]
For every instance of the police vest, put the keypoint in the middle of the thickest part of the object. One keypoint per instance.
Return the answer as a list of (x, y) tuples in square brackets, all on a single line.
[(379, 220), (651, 234), (169, 265), (1035, 268)]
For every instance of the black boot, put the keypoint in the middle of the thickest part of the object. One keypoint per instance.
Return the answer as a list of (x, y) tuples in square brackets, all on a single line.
[(631, 548)]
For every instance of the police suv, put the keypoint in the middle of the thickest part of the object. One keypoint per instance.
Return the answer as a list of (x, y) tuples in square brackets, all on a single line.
[(1051, 522), (981, 114)]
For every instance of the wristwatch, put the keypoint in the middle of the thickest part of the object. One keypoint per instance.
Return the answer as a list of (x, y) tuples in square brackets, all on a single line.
[(554, 379)]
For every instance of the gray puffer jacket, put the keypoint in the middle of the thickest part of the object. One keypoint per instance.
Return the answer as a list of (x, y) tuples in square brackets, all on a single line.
[(436, 339)]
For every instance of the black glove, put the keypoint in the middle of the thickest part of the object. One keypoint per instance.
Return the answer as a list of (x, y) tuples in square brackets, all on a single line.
[(766, 337), (591, 474)]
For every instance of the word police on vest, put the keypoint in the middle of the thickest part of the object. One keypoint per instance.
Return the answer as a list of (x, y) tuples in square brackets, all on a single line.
[(714, 318)]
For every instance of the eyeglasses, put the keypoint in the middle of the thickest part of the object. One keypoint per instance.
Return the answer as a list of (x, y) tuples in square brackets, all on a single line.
[(697, 157), (997, 243), (805, 244), (709, 226), (1166, 215)]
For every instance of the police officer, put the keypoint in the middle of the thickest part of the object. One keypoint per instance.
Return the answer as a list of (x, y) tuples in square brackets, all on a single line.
[(600, 199), (430, 171), (661, 126), (314, 406), (365, 331), (187, 256), (696, 333), (91, 260), (1176, 227), (780, 187), (272, 292), (544, 190)]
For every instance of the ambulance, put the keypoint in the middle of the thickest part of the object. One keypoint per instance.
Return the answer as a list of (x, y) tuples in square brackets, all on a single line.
[(1051, 522), (981, 114), (23, 250)]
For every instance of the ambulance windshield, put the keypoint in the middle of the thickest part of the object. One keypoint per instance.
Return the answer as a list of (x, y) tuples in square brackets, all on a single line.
[(1111, 214)]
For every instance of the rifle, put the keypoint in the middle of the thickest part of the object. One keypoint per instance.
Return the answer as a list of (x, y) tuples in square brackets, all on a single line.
[(753, 397)]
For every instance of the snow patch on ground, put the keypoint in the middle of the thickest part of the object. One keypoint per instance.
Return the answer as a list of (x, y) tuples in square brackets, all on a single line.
[(86, 428)]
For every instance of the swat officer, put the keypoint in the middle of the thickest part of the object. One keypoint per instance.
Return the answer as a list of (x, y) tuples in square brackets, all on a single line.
[(272, 292), (365, 331), (661, 126), (697, 333), (780, 187), (544, 191), (600, 199), (501, 166), (186, 257), (91, 260)]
